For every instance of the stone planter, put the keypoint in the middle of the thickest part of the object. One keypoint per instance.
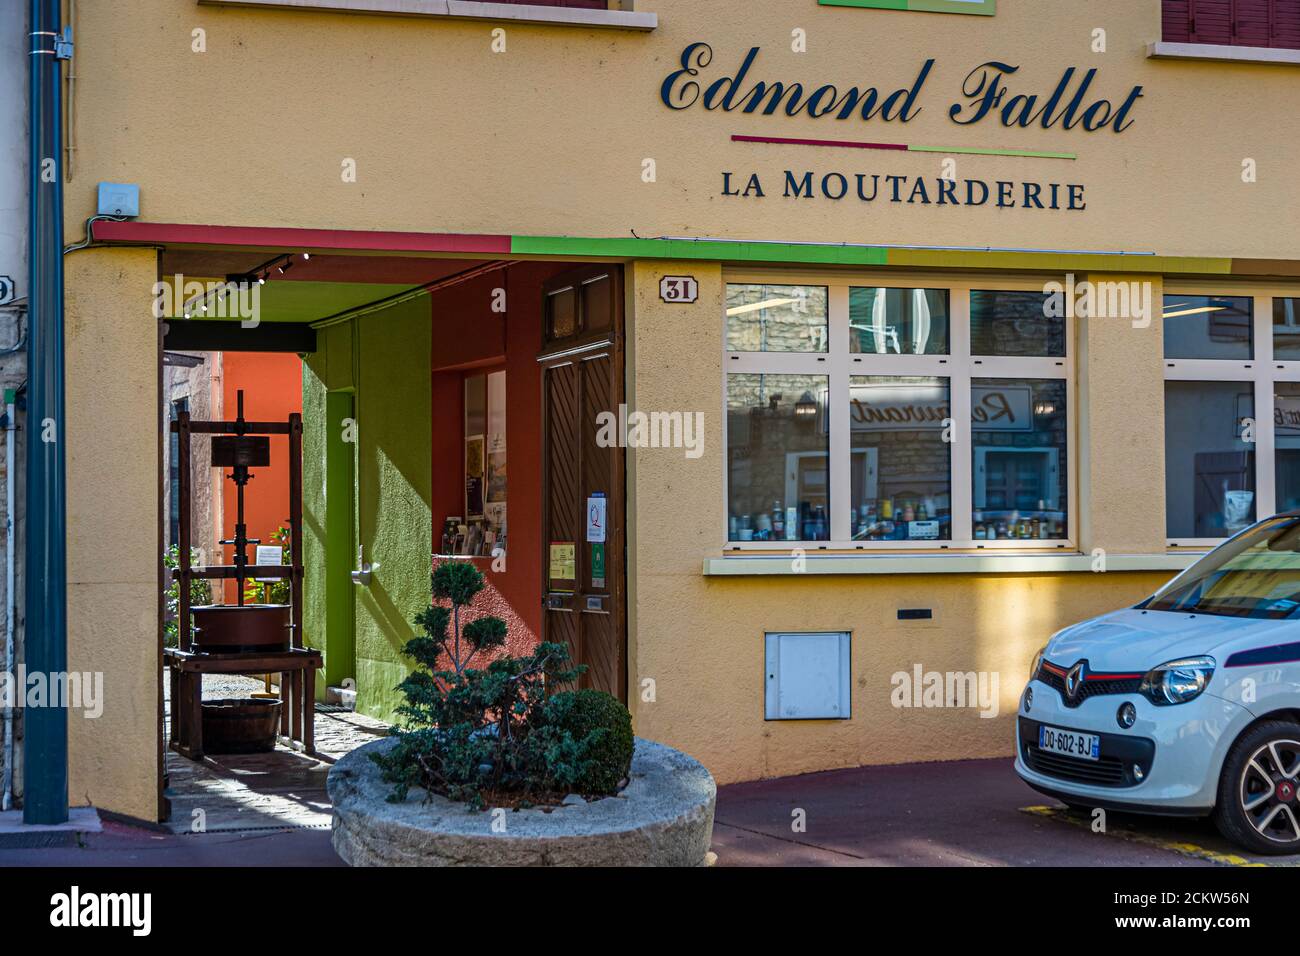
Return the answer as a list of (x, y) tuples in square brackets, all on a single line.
[(663, 817)]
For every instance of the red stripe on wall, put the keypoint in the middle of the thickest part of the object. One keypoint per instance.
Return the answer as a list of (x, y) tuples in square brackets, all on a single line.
[(160, 233)]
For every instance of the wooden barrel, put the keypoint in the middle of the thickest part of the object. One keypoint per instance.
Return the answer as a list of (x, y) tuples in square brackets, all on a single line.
[(244, 725)]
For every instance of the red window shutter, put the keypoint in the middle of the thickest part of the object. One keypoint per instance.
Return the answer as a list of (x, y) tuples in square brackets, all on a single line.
[(1176, 21), (1211, 21), (580, 4), (1250, 22), (1285, 29)]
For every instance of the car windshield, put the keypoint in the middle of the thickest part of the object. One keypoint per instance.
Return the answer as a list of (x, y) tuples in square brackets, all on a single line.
[(1255, 574)]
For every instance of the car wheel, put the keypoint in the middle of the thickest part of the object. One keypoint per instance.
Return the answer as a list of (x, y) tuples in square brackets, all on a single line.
[(1258, 806)]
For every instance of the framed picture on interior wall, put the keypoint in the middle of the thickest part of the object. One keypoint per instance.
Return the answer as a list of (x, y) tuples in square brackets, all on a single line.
[(474, 476), (496, 476)]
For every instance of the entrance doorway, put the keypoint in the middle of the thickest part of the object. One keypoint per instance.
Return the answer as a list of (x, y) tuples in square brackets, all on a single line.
[(583, 476)]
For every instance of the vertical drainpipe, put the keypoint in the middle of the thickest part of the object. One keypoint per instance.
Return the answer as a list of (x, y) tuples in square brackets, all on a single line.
[(45, 729)]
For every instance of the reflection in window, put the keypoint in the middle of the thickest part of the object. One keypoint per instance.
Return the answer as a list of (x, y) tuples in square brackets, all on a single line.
[(778, 458), (1286, 444), (1209, 469), (1019, 468), (902, 467), (1015, 323), (1286, 330), (776, 318), (1208, 327), (898, 321)]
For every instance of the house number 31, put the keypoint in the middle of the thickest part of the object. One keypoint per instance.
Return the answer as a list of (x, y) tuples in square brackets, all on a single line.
[(679, 289)]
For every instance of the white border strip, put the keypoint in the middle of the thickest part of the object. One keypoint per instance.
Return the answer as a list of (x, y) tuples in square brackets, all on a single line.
[(463, 10), (783, 564), (1160, 50)]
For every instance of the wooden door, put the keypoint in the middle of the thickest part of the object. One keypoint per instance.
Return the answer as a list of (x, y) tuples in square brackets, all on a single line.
[(583, 497)]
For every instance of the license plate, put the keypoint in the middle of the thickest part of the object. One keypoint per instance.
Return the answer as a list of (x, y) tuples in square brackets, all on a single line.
[(1069, 742)]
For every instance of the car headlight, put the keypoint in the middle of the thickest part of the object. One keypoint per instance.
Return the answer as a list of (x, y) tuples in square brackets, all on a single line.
[(1038, 662), (1177, 682)]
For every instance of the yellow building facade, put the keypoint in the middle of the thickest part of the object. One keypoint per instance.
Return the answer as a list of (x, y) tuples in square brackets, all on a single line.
[(477, 131)]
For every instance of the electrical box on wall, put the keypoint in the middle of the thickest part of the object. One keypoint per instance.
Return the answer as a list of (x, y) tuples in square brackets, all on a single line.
[(807, 676), (118, 199)]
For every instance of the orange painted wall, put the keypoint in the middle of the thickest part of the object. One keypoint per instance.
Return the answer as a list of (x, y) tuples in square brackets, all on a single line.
[(272, 384), (469, 338)]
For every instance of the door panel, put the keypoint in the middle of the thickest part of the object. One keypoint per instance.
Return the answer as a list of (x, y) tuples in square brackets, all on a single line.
[(584, 482)]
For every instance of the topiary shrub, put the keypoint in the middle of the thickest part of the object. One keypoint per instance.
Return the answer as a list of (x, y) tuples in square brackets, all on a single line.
[(587, 738), (505, 732)]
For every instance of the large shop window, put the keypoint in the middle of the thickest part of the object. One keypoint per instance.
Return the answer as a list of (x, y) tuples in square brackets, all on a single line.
[(1232, 413), (865, 416)]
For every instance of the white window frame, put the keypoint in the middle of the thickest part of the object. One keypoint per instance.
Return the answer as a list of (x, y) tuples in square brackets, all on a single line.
[(959, 367), (1262, 371)]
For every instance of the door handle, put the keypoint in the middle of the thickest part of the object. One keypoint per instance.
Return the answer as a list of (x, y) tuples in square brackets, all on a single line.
[(557, 602)]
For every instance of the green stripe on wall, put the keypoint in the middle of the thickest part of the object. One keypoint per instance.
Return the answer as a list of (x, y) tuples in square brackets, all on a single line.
[(826, 254), (706, 251), (972, 151), (979, 7)]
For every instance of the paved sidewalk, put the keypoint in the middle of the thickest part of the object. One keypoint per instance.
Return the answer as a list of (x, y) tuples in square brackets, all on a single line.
[(969, 813)]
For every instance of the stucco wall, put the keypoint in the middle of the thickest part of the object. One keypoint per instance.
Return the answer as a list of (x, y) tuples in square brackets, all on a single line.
[(112, 452), (549, 137), (705, 656), (389, 356)]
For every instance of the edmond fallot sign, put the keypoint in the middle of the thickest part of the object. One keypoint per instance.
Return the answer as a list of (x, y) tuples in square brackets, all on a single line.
[(989, 96)]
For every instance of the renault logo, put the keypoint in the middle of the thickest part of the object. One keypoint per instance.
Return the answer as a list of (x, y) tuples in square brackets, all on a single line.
[(1074, 679)]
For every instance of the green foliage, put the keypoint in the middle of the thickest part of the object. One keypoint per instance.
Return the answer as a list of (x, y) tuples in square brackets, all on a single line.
[(502, 727), (588, 740), (200, 593), (458, 582)]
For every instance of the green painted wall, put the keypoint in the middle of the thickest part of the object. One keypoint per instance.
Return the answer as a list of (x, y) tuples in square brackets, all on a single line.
[(384, 358)]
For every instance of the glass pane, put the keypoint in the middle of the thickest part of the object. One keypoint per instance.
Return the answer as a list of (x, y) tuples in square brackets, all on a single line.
[(1257, 575), (1286, 441), (1208, 327), (562, 317), (1019, 467), (776, 318), (1015, 323), (778, 458), (1209, 469), (898, 321), (1286, 330), (475, 405), (902, 467), (596, 305)]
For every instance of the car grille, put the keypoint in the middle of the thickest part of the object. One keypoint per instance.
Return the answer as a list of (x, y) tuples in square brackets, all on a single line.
[(1095, 685), (1106, 772), (1120, 755)]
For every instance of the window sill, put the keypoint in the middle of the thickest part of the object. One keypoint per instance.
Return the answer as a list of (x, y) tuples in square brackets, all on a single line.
[(782, 565), (1161, 50), (464, 10)]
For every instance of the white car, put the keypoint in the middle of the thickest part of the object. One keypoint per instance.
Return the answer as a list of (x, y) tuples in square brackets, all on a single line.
[(1187, 704)]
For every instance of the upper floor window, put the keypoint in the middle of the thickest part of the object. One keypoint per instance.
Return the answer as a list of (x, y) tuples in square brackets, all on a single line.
[(579, 4), (1264, 23)]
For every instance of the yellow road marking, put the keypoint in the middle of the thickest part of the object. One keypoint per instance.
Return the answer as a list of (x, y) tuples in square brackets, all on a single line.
[(1137, 836)]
